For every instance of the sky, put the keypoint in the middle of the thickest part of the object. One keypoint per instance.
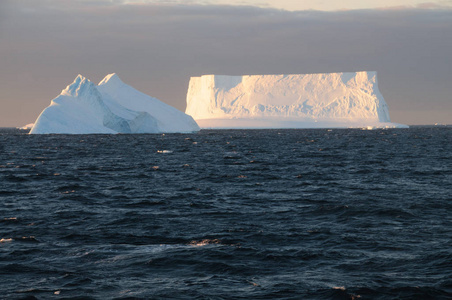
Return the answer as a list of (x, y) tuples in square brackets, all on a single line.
[(156, 46), (294, 5)]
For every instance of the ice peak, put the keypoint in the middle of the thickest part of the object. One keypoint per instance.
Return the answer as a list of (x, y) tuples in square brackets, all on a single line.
[(77, 87), (111, 107), (112, 79), (79, 78)]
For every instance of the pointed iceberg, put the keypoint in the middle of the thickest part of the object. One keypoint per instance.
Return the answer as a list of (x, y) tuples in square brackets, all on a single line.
[(331, 100), (110, 107)]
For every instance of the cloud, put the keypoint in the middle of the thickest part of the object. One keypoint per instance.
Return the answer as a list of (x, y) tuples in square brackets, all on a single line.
[(156, 48), (443, 5)]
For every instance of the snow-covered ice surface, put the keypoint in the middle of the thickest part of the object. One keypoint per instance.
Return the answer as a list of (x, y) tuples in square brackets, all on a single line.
[(110, 107), (333, 100)]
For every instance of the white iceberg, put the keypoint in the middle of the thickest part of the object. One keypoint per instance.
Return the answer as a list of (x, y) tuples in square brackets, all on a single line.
[(333, 100), (110, 107), (28, 126)]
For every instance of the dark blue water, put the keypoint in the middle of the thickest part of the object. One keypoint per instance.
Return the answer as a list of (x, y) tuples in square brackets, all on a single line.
[(251, 214)]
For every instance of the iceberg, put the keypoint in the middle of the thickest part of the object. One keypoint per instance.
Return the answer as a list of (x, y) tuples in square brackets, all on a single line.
[(110, 107), (27, 127), (332, 100)]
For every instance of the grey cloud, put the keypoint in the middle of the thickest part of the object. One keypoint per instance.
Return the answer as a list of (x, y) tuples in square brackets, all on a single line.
[(435, 5), (156, 48)]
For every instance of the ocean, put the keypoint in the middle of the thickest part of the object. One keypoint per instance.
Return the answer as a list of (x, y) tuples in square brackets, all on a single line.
[(227, 214)]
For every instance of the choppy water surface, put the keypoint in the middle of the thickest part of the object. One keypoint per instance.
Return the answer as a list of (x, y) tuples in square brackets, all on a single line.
[(263, 214)]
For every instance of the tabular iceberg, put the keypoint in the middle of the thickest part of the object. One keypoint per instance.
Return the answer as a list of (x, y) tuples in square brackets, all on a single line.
[(110, 107), (333, 100)]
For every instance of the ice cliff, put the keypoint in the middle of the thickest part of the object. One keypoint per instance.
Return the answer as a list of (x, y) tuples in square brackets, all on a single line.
[(288, 101), (110, 107)]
